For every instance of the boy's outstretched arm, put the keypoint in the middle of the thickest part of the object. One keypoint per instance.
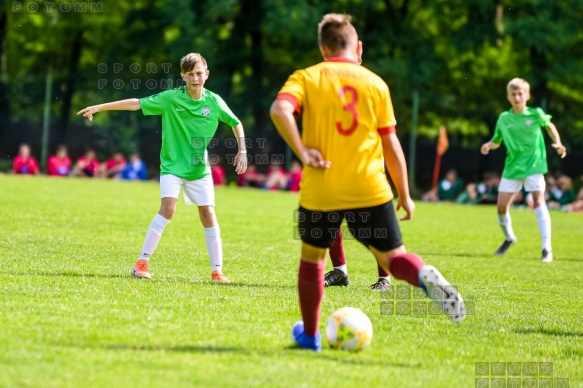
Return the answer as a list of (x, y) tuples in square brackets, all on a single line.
[(554, 135), (486, 147), (282, 115), (397, 166), (240, 161), (129, 104)]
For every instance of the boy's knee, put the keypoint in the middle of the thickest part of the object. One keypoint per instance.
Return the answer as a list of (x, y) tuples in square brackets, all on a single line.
[(167, 211)]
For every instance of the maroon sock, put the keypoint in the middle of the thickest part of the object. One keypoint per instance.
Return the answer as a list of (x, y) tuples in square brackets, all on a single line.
[(406, 267), (382, 272), (337, 251), (311, 290)]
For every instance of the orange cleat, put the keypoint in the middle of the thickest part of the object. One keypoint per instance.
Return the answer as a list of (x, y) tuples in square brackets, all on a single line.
[(218, 277), (140, 269)]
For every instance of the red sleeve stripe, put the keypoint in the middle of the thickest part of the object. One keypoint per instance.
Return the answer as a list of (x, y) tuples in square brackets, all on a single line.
[(291, 98), (387, 130)]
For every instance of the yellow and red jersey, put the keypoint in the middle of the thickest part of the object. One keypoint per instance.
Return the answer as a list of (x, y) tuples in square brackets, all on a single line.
[(346, 108)]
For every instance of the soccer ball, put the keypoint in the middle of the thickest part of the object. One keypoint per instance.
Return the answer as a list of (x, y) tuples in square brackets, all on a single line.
[(349, 329)]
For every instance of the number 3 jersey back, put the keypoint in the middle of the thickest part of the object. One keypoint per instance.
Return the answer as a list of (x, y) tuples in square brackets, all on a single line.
[(346, 109)]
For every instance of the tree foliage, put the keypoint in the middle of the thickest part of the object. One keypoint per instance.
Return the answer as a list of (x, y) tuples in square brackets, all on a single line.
[(457, 54)]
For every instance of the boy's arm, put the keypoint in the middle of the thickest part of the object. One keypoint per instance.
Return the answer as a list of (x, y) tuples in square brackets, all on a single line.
[(129, 104), (397, 166), (282, 115), (240, 162), (554, 135), (486, 147)]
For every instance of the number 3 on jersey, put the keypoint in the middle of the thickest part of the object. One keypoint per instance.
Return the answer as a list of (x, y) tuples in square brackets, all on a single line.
[(350, 107)]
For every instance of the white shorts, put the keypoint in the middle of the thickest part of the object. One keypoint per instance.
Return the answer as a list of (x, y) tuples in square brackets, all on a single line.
[(200, 191), (531, 183)]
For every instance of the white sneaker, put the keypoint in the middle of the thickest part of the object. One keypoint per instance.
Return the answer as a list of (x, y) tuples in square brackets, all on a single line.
[(547, 256), (442, 293)]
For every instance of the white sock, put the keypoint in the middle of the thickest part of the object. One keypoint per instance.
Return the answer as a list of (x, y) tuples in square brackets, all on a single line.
[(505, 223), (214, 244), (385, 277), (544, 226), (342, 268), (153, 237)]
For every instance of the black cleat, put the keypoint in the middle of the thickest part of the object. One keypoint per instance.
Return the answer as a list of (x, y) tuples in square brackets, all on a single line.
[(501, 251), (547, 256), (382, 285), (336, 278)]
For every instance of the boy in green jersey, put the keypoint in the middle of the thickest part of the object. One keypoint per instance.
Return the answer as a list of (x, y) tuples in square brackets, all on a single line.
[(526, 161), (190, 117)]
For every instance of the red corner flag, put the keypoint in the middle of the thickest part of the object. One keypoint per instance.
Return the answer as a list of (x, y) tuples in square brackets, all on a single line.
[(442, 146)]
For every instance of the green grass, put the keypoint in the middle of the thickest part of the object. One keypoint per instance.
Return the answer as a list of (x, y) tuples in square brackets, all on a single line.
[(70, 314)]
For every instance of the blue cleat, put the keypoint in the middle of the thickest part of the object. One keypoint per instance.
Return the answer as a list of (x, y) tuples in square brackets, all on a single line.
[(306, 341)]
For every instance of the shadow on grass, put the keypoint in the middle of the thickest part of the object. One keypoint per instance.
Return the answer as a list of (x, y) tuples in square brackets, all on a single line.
[(340, 357), (65, 274), (555, 332), (466, 255)]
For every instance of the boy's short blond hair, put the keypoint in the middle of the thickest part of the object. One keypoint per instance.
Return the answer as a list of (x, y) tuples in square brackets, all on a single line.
[(336, 32), (189, 61), (518, 83)]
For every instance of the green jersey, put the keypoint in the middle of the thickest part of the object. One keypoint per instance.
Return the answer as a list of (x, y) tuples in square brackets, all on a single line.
[(187, 128), (523, 137)]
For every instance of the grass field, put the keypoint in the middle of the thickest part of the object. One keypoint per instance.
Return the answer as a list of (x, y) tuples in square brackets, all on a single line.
[(70, 314)]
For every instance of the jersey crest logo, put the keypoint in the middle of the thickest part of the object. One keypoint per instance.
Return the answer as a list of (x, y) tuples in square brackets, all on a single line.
[(205, 112), (528, 122)]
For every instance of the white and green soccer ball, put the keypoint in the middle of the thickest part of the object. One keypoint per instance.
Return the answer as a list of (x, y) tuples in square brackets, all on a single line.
[(349, 329)]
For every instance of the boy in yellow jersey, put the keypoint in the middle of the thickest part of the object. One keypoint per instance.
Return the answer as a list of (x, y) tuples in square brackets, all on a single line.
[(348, 136), (190, 117), (520, 128)]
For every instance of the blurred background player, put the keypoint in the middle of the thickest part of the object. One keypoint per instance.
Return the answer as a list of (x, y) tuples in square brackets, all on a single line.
[(184, 157), (24, 163), (135, 169), (338, 97), (520, 128), (339, 275), (60, 163)]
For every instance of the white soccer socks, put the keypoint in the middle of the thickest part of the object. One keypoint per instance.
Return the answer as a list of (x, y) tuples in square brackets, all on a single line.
[(214, 245), (153, 236), (544, 226), (505, 223)]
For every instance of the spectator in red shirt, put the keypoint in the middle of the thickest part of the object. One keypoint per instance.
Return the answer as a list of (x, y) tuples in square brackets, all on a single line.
[(250, 178), (60, 163), (295, 176), (112, 167), (24, 163), (87, 165), (218, 173), (276, 178)]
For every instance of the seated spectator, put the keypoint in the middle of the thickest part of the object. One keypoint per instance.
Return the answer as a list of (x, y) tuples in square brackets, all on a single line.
[(112, 167), (217, 172), (250, 178), (551, 186), (60, 163), (469, 196), (276, 178), (135, 169), (488, 189), (294, 176), (564, 195), (450, 187), (24, 163), (87, 165), (577, 204)]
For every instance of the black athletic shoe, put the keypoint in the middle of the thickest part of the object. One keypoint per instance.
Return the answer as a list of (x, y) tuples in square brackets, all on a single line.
[(336, 278), (382, 285), (501, 251), (547, 256)]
